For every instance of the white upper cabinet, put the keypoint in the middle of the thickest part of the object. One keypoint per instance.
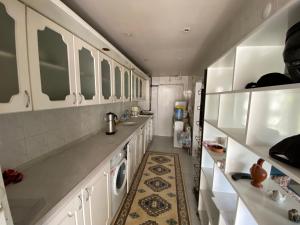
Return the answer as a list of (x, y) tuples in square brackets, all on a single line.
[(87, 77), (14, 77), (137, 87), (51, 63), (132, 87), (106, 79), (142, 89), (126, 85), (118, 82)]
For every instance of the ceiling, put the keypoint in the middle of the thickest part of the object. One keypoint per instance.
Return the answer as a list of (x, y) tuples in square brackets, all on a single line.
[(152, 35)]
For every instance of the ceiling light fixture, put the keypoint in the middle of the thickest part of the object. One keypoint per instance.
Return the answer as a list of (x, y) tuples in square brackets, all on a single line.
[(186, 29), (128, 34)]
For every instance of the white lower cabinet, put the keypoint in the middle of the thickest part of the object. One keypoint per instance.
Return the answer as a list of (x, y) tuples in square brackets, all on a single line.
[(70, 214), (131, 160), (140, 146), (2, 217), (96, 198), (90, 206)]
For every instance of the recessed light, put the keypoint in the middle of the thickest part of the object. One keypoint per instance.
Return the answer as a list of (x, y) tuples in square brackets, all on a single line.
[(186, 29), (106, 49), (127, 34)]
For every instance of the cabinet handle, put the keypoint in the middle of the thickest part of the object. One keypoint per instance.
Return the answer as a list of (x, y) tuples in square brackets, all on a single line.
[(28, 99), (75, 98), (88, 194), (70, 214), (80, 199), (105, 174), (81, 98)]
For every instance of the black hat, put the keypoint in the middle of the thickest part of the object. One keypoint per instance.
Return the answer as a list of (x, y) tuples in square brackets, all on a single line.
[(287, 151)]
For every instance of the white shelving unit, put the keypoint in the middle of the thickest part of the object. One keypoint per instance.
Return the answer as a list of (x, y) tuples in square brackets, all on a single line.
[(251, 121), (212, 109)]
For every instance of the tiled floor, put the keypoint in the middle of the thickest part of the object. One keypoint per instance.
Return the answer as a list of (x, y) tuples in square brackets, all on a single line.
[(165, 144)]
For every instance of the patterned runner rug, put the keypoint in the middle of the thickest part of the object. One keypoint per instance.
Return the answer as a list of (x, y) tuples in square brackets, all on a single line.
[(157, 194)]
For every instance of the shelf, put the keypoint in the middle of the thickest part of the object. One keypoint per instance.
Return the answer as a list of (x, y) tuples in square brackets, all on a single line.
[(212, 122), (217, 157), (212, 103), (255, 61), (238, 134), (263, 152), (219, 79), (227, 205), (263, 209), (53, 66), (209, 174), (7, 54), (259, 89), (212, 211)]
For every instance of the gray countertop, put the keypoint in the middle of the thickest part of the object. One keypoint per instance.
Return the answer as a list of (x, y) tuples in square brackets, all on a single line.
[(48, 181)]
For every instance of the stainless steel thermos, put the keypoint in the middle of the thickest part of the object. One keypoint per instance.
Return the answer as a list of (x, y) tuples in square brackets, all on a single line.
[(110, 119)]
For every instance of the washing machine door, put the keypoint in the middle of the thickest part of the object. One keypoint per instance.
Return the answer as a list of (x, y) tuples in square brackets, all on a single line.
[(120, 177)]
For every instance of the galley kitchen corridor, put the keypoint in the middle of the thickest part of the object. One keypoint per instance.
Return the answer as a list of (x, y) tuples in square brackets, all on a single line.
[(151, 199)]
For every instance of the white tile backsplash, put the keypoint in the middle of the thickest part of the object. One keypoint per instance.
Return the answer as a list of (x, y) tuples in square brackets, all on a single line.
[(26, 136)]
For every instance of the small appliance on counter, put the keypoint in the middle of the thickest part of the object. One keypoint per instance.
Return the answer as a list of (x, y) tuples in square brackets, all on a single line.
[(110, 119), (135, 111)]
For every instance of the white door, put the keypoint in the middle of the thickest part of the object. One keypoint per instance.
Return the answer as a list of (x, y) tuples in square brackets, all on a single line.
[(96, 199), (14, 77), (154, 105), (167, 95), (51, 63), (87, 77)]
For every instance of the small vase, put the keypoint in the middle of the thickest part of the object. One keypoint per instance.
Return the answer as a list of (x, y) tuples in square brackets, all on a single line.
[(258, 173)]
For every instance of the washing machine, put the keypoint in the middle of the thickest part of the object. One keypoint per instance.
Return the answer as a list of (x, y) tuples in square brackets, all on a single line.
[(118, 174)]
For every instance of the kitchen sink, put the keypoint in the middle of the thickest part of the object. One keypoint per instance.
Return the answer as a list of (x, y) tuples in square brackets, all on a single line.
[(129, 123)]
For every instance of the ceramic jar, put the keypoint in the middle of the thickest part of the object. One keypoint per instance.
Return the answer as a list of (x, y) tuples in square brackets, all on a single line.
[(258, 173)]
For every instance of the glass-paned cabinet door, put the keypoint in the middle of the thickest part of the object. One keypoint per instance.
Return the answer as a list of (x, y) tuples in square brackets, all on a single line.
[(51, 63), (126, 85), (86, 61), (137, 84), (132, 86), (118, 82), (106, 79), (141, 89), (14, 77)]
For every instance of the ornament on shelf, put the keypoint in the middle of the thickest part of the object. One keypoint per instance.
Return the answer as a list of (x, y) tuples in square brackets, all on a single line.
[(277, 196), (258, 173), (294, 215)]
